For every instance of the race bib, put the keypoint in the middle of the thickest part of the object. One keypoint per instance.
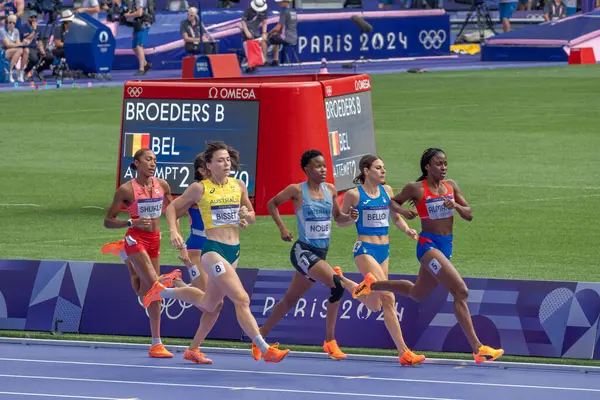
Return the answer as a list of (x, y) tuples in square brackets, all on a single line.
[(225, 215), (318, 229), (150, 208), (437, 210), (376, 217)]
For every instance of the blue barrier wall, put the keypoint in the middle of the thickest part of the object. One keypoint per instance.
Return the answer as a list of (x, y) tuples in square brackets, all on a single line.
[(530, 318)]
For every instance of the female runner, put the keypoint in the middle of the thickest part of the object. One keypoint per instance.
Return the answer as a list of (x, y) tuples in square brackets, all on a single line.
[(223, 201), (145, 197), (314, 201), (372, 249)]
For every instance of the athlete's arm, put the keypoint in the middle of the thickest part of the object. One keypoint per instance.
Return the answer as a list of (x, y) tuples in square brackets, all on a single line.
[(192, 195), (168, 196), (246, 210), (111, 221), (460, 203), (349, 207), (341, 218), (291, 192), (409, 192), (397, 218)]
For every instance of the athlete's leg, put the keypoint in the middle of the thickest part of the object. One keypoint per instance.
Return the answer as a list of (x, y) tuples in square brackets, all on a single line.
[(324, 273), (135, 278), (436, 264), (223, 275), (366, 264), (208, 319)]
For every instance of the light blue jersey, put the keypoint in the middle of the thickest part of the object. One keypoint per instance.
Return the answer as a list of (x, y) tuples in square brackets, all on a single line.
[(314, 218)]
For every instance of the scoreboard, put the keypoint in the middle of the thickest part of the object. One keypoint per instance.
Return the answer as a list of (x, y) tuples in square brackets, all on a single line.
[(270, 120), (177, 130)]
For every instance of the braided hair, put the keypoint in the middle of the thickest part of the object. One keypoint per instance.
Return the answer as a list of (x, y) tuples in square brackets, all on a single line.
[(426, 158)]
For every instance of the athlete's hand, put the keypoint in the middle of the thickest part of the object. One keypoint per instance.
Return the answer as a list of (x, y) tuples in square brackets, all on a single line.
[(142, 223), (184, 257), (243, 212), (412, 233), (449, 203), (409, 213), (353, 214), (243, 223), (177, 240), (286, 236)]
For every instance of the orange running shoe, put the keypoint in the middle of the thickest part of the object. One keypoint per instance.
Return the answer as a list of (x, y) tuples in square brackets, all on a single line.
[(159, 351), (167, 279), (333, 350), (196, 356), (114, 247), (256, 353), (486, 353), (364, 288), (338, 271), (275, 355), (410, 358), (153, 294)]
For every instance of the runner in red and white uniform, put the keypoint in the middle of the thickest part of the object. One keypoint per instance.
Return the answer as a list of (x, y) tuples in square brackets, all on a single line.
[(145, 198)]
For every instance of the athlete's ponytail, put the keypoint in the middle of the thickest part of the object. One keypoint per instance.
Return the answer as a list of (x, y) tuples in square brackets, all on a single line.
[(199, 163), (365, 162), (426, 158)]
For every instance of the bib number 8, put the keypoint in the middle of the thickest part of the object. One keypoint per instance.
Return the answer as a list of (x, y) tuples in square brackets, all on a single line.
[(218, 268)]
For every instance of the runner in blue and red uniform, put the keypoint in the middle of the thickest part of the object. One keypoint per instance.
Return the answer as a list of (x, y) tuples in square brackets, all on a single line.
[(436, 201)]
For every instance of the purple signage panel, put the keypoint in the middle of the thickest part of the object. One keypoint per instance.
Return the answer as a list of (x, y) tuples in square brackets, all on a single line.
[(16, 284), (532, 318), (112, 308)]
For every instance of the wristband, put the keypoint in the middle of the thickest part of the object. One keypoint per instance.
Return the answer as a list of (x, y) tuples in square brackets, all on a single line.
[(130, 222)]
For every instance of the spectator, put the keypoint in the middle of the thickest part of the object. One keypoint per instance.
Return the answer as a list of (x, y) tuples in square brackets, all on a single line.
[(36, 46), (571, 7), (191, 29), (506, 9), (13, 48), (60, 32), (91, 7), (254, 23), (15, 7), (554, 10), (285, 32)]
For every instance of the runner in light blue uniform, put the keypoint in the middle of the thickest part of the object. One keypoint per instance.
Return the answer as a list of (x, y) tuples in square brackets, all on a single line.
[(316, 204)]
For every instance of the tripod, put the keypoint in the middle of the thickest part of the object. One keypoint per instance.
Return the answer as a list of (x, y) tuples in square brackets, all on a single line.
[(483, 20)]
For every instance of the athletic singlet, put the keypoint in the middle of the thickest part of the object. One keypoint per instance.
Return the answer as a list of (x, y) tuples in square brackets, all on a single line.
[(314, 218), (432, 206), (220, 204), (146, 205), (373, 213), (196, 223)]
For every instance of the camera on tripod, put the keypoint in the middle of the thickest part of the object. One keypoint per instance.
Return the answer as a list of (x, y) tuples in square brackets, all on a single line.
[(117, 13), (48, 7)]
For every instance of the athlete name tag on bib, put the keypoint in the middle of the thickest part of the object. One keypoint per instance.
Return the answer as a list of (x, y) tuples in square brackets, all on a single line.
[(437, 210), (318, 229), (150, 208), (225, 215), (376, 217)]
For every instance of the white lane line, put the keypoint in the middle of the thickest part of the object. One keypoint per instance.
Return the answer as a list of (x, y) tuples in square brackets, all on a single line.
[(18, 205), (257, 389), (240, 371), (63, 396)]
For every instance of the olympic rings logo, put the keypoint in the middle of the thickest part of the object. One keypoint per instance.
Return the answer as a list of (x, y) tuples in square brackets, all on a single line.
[(432, 39), (165, 307), (134, 91)]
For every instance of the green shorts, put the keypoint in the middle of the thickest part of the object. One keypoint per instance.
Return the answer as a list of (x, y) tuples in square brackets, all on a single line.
[(229, 252)]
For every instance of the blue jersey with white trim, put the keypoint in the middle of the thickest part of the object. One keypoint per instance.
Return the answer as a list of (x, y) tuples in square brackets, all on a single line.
[(196, 223), (373, 213)]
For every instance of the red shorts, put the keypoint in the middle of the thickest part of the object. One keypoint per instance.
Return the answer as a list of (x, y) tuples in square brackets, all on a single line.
[(137, 240)]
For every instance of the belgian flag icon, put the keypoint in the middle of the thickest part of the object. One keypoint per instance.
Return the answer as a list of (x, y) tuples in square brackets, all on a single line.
[(134, 142)]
